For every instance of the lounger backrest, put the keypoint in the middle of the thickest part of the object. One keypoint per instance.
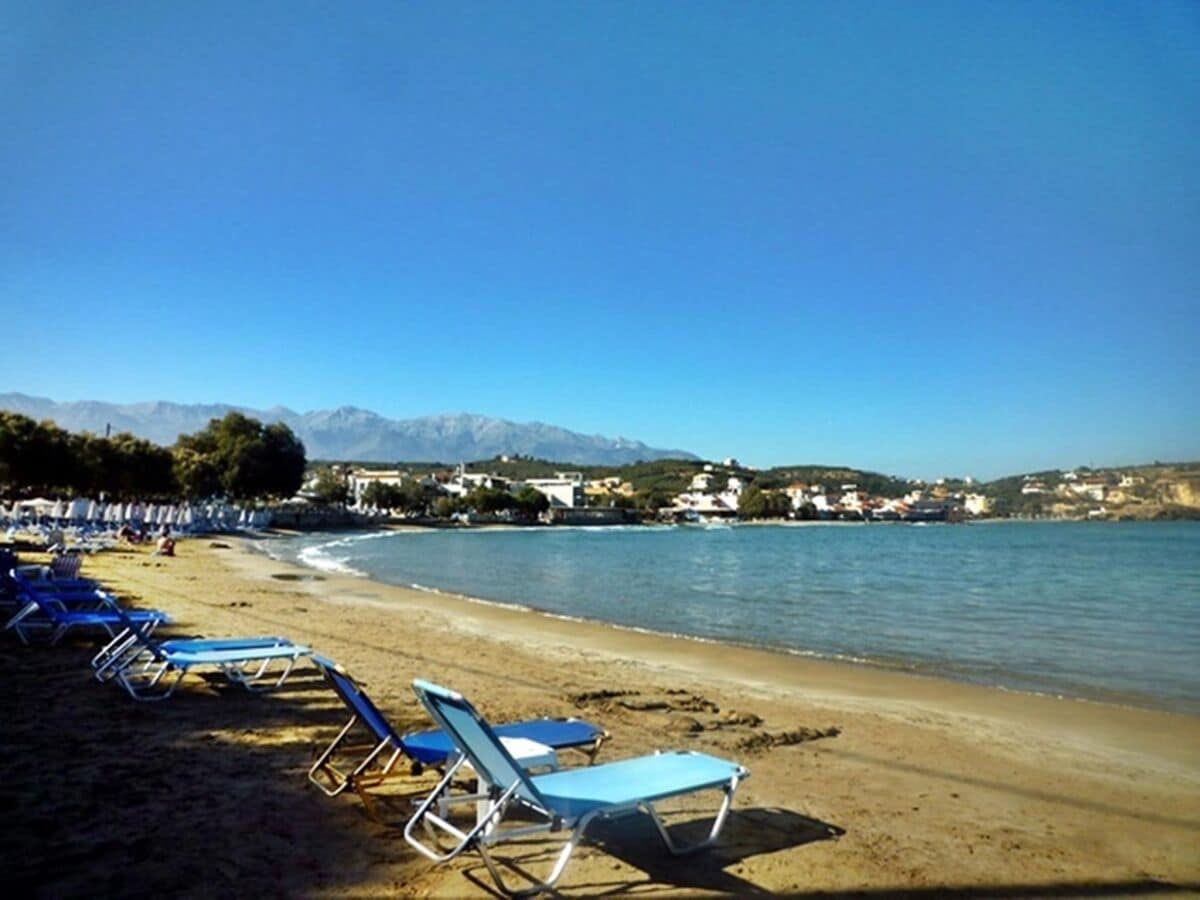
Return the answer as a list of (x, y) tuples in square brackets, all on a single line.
[(474, 738), (358, 702), (142, 637)]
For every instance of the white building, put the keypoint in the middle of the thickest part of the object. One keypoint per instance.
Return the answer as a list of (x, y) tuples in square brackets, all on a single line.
[(976, 504), (565, 489), (360, 479), (701, 481), (463, 482)]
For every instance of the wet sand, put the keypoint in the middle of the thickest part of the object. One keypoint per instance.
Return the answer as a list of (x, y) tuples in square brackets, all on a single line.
[(864, 781)]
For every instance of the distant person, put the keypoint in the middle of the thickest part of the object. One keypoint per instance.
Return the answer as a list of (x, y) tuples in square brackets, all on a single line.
[(166, 546)]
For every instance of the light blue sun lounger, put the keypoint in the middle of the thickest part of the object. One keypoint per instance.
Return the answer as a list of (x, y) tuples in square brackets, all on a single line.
[(374, 762), (566, 800), (114, 654), (145, 668), (44, 611)]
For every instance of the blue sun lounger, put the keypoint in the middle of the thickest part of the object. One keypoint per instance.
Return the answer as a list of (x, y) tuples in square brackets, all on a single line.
[(375, 761), (144, 669), (567, 800), (114, 654), (73, 594), (44, 611)]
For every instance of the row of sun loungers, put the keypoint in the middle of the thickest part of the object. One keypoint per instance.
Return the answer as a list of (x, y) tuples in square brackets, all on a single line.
[(520, 787)]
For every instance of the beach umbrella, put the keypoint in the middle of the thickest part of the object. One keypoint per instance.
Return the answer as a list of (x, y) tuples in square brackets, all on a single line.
[(186, 516), (76, 509), (93, 511), (57, 510)]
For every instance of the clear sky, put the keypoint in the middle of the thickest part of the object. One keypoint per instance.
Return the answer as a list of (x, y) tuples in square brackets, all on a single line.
[(921, 238)]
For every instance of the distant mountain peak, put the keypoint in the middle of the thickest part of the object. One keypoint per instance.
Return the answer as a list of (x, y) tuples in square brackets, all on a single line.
[(352, 433)]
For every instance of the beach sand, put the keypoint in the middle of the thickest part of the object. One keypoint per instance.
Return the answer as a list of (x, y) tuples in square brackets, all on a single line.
[(864, 781)]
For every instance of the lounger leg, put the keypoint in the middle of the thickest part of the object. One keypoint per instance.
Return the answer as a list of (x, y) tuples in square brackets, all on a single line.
[(326, 755), (15, 622), (560, 864), (715, 832)]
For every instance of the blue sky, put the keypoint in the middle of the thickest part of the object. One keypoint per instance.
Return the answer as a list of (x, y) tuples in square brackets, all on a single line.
[(920, 238)]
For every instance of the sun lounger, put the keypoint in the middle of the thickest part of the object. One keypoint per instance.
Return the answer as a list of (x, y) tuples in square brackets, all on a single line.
[(43, 611), (567, 800), (370, 764), (18, 581), (145, 669), (124, 646)]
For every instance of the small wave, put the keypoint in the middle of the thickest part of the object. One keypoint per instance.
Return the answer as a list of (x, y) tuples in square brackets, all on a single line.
[(318, 558)]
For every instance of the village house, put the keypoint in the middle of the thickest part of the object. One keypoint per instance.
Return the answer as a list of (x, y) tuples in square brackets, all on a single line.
[(358, 480), (565, 489), (976, 504)]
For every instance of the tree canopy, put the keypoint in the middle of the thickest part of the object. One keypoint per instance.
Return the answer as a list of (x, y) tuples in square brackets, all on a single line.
[(236, 456), (246, 458)]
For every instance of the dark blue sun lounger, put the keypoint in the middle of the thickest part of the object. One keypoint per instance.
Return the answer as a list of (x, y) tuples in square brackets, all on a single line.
[(44, 611), (371, 763)]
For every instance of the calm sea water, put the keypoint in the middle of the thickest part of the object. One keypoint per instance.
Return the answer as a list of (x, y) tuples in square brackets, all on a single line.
[(1100, 610)]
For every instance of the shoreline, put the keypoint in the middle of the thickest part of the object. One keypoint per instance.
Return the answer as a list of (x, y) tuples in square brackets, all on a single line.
[(902, 667), (756, 667)]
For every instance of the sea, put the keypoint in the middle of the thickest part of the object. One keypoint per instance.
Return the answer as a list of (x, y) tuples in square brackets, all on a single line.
[(1095, 610)]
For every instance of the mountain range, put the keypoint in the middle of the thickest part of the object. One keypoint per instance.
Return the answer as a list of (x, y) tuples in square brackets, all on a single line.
[(349, 433)]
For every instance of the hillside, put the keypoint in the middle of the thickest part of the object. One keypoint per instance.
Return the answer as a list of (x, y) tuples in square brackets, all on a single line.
[(1155, 491)]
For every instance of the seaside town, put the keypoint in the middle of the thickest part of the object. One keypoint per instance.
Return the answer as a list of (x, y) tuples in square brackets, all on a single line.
[(726, 491)]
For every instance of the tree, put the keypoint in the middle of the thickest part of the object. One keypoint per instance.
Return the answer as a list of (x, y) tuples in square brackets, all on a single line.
[(136, 468), (197, 474), (489, 500), (411, 497), (250, 460), (445, 507), (755, 503), (381, 495), (330, 487), (531, 502), (34, 456)]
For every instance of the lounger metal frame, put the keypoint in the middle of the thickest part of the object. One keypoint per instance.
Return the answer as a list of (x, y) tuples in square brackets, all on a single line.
[(488, 831), (332, 781), (55, 609), (144, 669)]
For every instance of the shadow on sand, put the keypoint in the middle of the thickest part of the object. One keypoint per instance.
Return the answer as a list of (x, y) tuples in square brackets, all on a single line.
[(634, 841)]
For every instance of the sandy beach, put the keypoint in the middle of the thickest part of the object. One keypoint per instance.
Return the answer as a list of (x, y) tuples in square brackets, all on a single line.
[(865, 782)]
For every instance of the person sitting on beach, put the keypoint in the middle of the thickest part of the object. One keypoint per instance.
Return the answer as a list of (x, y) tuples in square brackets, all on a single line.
[(166, 546)]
